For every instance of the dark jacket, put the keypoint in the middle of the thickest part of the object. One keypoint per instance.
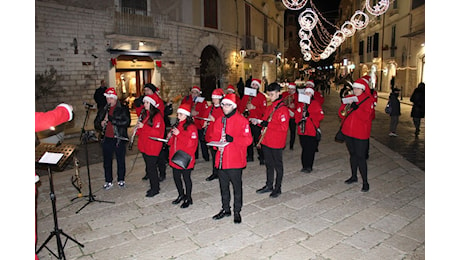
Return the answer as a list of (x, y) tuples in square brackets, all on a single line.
[(121, 119), (395, 105), (418, 98), (99, 97)]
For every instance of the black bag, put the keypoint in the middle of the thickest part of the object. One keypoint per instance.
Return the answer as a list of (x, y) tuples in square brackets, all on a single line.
[(318, 134), (182, 159), (340, 137), (388, 107)]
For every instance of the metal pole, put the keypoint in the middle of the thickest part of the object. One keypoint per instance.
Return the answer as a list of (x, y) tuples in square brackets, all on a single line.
[(381, 53)]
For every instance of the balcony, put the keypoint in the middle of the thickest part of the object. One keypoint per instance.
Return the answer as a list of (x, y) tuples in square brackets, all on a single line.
[(133, 22)]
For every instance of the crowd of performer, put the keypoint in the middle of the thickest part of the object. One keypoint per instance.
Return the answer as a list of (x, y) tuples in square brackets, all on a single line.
[(229, 129)]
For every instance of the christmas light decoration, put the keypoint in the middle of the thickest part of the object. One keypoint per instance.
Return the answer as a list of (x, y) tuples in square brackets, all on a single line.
[(308, 19), (380, 8), (295, 4), (357, 21)]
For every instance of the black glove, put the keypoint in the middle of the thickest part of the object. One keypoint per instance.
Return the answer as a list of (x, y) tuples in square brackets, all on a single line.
[(138, 101), (264, 123), (354, 106), (228, 138), (307, 114)]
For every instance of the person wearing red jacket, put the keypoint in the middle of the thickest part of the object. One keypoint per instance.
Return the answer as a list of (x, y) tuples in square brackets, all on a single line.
[(152, 125), (254, 107), (308, 117), (44, 121), (214, 112), (199, 107), (232, 89), (318, 96), (233, 129), (356, 126), (291, 97), (183, 137), (275, 123)]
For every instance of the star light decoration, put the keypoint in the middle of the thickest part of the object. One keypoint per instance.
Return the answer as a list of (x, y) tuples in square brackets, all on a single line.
[(309, 18), (295, 4)]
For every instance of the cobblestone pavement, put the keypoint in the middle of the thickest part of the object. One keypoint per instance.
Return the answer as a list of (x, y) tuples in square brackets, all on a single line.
[(317, 216)]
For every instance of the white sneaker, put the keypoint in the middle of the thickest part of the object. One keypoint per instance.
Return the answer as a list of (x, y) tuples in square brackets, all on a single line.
[(121, 184), (392, 134), (108, 185)]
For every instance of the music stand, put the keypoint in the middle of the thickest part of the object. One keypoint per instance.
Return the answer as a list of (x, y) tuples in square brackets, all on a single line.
[(50, 159), (84, 136)]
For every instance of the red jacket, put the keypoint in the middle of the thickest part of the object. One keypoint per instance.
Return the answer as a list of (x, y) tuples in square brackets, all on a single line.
[(199, 107), (187, 141), (160, 102), (316, 115), (375, 96), (217, 112), (319, 97), (294, 100), (277, 128), (359, 122), (234, 154), (259, 101), (44, 120), (144, 143)]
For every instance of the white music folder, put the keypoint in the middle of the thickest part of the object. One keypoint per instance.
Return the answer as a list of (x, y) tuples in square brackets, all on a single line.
[(51, 158)]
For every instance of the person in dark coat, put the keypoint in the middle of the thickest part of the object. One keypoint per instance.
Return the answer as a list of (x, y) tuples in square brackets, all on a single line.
[(418, 109), (240, 87), (395, 111)]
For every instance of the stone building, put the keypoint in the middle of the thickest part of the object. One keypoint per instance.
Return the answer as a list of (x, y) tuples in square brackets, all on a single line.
[(174, 44), (392, 44)]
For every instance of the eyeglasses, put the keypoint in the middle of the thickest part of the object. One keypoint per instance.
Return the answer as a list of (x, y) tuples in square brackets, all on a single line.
[(226, 104)]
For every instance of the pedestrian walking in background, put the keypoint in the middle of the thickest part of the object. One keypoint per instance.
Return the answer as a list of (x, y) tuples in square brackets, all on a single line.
[(418, 108), (394, 110), (290, 97), (99, 95)]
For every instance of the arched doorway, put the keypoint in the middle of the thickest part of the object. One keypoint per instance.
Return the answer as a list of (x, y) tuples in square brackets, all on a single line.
[(211, 70)]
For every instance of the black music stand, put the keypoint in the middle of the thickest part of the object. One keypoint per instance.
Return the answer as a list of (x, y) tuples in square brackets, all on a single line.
[(57, 232), (84, 137)]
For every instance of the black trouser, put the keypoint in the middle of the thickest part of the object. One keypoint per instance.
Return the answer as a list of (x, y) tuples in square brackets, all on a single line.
[(417, 121), (358, 149), (163, 160), (309, 145), (292, 129), (255, 131), (110, 146), (204, 147), (151, 170), (214, 169), (394, 120), (185, 174), (226, 177), (273, 162)]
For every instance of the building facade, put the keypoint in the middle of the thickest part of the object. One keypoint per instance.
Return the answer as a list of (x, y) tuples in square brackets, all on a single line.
[(174, 44), (392, 45)]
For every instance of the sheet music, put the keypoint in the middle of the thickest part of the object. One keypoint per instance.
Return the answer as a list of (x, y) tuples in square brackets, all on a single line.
[(199, 99), (250, 92), (217, 144), (304, 98), (349, 100), (51, 158)]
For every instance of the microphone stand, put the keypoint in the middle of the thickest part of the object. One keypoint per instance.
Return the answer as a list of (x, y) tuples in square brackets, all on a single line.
[(84, 140)]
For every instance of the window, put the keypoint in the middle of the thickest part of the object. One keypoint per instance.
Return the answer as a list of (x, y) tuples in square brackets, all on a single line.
[(134, 6), (375, 46), (393, 41), (417, 3), (210, 13)]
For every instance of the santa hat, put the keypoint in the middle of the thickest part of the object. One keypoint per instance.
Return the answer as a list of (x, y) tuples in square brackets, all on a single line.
[(185, 109), (360, 83), (291, 85), (309, 90), (217, 93), (151, 86), (311, 83), (230, 99), (196, 88), (111, 93), (231, 88), (256, 81), (367, 78), (151, 100)]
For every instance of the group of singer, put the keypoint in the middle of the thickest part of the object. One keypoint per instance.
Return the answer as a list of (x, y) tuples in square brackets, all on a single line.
[(230, 127)]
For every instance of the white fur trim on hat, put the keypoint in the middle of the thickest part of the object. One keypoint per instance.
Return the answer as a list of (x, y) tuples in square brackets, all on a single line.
[(217, 96), (150, 100), (69, 109), (111, 96), (359, 85), (291, 86), (183, 111), (309, 83), (226, 101), (309, 90)]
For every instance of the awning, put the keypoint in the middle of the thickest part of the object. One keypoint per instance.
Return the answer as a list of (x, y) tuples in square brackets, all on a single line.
[(414, 33), (153, 54)]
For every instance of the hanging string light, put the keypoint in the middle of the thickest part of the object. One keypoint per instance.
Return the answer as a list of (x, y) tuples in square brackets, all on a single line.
[(380, 8), (295, 4), (360, 20), (308, 19)]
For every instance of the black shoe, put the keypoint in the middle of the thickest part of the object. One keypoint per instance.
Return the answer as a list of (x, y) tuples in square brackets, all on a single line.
[(179, 199), (206, 159), (264, 189), (222, 214), (306, 170), (365, 187), (291, 148), (351, 180), (211, 177), (262, 162), (275, 193), (236, 218), (250, 159), (187, 202), (145, 178), (151, 193), (162, 178)]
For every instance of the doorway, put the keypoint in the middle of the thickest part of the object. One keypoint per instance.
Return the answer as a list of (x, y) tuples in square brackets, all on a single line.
[(211, 69)]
